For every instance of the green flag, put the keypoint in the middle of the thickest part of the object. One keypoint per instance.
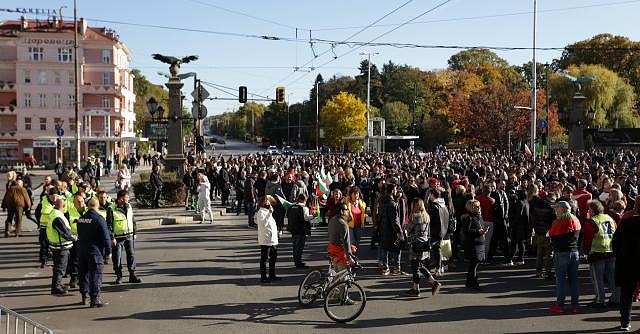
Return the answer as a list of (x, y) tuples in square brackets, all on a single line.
[(284, 202)]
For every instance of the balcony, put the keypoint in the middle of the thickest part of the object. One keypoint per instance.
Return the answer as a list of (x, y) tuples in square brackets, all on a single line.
[(102, 111), (90, 88), (7, 86)]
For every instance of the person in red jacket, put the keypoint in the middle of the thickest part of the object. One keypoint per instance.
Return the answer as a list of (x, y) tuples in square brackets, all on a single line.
[(582, 196), (486, 209)]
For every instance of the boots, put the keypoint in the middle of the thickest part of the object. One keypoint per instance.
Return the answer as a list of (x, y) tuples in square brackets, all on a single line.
[(118, 279), (97, 302), (73, 283), (133, 278)]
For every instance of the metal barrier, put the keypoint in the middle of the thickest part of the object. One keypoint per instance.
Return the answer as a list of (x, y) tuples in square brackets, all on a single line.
[(12, 322)]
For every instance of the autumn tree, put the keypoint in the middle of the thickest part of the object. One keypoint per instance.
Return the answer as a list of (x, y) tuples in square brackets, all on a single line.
[(344, 115), (397, 118)]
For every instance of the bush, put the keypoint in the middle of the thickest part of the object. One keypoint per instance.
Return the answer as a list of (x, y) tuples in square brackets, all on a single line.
[(173, 192)]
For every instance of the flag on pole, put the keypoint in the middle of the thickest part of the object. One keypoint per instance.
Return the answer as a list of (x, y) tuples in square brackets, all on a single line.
[(284, 202), (527, 151)]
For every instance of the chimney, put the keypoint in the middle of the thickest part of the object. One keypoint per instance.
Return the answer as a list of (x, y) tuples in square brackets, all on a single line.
[(83, 26), (24, 23)]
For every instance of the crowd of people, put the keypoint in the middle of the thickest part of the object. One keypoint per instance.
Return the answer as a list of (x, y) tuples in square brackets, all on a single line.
[(565, 208), (493, 208)]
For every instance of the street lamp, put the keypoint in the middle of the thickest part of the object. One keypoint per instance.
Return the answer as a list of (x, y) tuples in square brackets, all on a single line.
[(155, 109)]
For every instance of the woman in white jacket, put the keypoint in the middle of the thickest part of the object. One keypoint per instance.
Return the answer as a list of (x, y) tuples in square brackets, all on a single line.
[(204, 203), (267, 239)]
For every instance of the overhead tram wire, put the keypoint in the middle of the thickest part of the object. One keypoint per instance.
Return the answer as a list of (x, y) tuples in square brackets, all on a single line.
[(380, 36), (211, 84), (453, 19), (243, 14), (346, 39)]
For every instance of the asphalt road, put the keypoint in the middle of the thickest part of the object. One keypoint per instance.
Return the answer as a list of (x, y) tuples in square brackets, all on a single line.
[(204, 278)]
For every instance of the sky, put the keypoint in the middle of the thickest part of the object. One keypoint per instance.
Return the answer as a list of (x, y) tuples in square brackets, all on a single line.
[(226, 35)]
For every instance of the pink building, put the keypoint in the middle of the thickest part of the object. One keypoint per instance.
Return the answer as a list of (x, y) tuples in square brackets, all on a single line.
[(37, 91)]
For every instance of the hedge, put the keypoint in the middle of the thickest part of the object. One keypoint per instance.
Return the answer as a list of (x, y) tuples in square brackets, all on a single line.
[(173, 192)]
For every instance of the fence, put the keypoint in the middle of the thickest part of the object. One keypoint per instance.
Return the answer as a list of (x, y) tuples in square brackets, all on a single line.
[(12, 322)]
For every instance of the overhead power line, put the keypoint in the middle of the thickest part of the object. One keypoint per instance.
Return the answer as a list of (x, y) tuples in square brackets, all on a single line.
[(243, 14)]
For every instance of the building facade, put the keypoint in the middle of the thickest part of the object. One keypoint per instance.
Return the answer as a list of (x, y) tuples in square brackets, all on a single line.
[(37, 91)]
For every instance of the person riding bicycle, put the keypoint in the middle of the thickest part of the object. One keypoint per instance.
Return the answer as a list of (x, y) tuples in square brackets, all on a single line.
[(340, 248)]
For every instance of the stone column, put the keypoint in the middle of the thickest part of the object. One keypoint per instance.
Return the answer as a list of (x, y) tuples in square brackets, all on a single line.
[(576, 123), (175, 142)]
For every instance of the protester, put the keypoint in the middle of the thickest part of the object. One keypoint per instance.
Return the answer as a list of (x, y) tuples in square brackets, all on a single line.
[(418, 231), (267, 239)]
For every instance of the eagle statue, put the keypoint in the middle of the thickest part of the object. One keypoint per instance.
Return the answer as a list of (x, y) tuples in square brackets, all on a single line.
[(174, 62)]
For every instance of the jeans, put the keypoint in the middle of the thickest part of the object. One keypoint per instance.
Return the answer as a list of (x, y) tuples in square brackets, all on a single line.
[(600, 270), (156, 198), (60, 259), (566, 264), (356, 235), (44, 245), (436, 256), (298, 241), (250, 204), (421, 266), (90, 272), (544, 256), (395, 258), (116, 254), (487, 239)]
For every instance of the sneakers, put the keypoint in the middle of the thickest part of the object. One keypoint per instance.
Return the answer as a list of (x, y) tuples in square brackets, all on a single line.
[(85, 300), (413, 293), (97, 302), (519, 263), (557, 309), (134, 279), (435, 288), (118, 280), (384, 271), (626, 328), (349, 301), (398, 272), (508, 264)]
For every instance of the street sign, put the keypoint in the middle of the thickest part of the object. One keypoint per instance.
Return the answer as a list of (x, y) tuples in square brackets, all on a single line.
[(543, 124), (203, 112), (204, 94), (60, 132), (542, 114)]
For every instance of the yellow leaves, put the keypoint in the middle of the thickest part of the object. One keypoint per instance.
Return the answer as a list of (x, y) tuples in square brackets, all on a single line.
[(343, 115)]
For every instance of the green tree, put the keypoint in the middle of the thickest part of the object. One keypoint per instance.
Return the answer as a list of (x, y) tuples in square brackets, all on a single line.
[(608, 95), (144, 89), (474, 59), (344, 115), (253, 112), (397, 117)]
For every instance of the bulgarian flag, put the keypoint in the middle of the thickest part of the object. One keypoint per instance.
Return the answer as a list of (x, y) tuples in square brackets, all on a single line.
[(321, 185), (527, 151), (284, 203)]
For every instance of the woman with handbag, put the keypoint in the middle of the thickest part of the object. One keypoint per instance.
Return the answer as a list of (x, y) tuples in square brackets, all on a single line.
[(418, 232)]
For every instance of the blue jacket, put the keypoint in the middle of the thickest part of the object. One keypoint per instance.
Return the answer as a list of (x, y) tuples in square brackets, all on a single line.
[(93, 235)]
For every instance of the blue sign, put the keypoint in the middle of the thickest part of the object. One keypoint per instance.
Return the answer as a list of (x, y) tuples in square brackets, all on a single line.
[(543, 124), (60, 132)]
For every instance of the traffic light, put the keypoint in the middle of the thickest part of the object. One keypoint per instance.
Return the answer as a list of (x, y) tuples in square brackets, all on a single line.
[(59, 144), (199, 144), (280, 95), (242, 94)]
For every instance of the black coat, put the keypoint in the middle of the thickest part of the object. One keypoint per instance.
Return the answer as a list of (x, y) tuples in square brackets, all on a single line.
[(389, 222), (156, 181), (519, 220), (626, 247), (473, 240)]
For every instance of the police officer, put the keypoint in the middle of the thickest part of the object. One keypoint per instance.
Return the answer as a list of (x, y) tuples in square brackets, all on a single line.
[(60, 241), (46, 215), (94, 247), (123, 235), (74, 210)]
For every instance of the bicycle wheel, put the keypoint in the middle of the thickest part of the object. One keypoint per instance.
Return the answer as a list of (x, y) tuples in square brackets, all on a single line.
[(310, 288), (344, 301)]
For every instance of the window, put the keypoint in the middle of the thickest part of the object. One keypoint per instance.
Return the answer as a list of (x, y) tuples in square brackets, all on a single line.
[(72, 124), (57, 121), (27, 77), (56, 100), (105, 102), (106, 56), (72, 100), (43, 100), (65, 55), (27, 123), (42, 77), (70, 75), (36, 53), (56, 77), (105, 78), (27, 100), (43, 124)]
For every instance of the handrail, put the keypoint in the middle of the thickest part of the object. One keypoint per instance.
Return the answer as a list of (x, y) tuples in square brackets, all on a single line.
[(9, 317)]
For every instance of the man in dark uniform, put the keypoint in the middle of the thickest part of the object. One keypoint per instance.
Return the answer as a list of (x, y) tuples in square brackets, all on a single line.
[(74, 210), (60, 241), (94, 246), (123, 234)]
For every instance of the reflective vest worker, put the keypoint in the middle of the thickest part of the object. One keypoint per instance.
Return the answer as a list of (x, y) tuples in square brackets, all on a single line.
[(60, 241)]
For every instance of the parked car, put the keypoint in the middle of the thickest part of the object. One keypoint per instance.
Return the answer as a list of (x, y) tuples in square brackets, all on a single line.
[(272, 149), (287, 150)]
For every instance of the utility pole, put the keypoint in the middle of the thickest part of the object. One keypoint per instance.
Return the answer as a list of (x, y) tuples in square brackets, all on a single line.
[(415, 98), (288, 127), (317, 116), (533, 88), (76, 82), (546, 93)]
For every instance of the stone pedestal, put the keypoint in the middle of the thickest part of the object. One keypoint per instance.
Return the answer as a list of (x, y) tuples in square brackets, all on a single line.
[(576, 123), (175, 139)]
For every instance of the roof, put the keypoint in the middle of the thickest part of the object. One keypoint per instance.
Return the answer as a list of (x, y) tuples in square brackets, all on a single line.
[(10, 28)]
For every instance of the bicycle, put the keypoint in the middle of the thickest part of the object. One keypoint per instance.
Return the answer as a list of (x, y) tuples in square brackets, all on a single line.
[(344, 299)]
